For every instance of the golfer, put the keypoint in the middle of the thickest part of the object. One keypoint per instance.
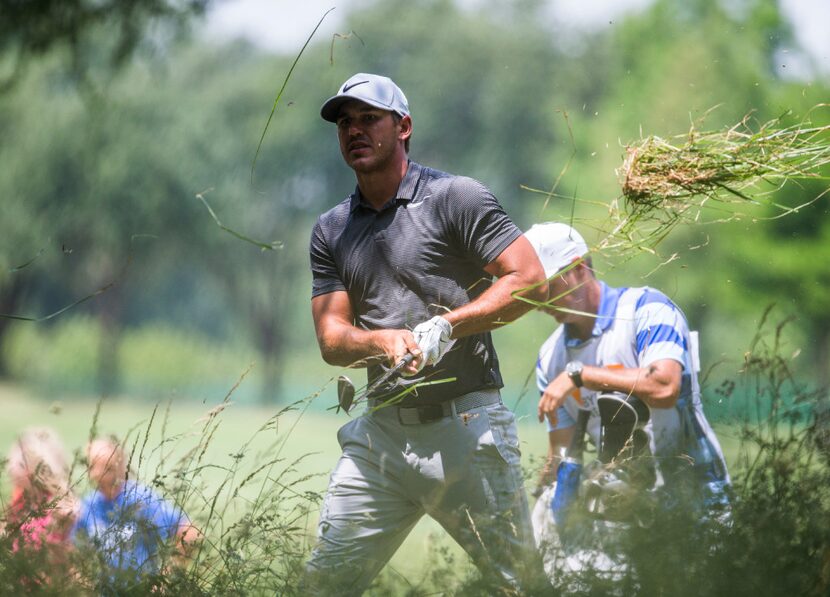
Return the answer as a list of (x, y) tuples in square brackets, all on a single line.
[(630, 341), (405, 266)]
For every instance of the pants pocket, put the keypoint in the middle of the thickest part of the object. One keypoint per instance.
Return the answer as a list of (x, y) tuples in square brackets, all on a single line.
[(347, 432), (505, 437)]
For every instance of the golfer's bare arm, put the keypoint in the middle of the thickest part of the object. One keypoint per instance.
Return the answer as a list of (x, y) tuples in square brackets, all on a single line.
[(343, 344), (518, 272)]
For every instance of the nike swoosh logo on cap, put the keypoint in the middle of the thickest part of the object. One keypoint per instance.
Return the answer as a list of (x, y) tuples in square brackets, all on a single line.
[(347, 87)]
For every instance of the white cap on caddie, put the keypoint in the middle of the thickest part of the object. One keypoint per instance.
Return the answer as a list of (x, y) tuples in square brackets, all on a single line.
[(556, 244)]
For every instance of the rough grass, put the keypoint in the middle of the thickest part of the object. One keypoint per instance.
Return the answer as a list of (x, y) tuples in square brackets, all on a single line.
[(670, 181), (252, 478), (191, 451)]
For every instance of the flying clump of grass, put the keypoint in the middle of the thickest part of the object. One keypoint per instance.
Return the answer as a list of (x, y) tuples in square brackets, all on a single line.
[(669, 181)]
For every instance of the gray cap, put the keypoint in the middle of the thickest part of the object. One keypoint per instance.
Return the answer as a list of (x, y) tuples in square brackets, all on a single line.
[(375, 90)]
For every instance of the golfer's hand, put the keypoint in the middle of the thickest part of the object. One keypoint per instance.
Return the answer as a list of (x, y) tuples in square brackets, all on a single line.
[(554, 396), (433, 338), (395, 345)]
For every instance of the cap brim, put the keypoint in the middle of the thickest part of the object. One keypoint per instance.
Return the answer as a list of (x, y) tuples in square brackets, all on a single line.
[(331, 108)]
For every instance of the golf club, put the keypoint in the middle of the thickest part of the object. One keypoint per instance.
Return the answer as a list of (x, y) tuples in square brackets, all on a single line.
[(346, 389)]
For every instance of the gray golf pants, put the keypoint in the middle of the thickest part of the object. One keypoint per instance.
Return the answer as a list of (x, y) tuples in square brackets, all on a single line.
[(463, 470)]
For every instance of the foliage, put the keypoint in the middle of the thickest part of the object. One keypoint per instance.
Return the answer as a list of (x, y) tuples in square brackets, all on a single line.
[(254, 502), (773, 539), (158, 360), (30, 30), (103, 193), (251, 506)]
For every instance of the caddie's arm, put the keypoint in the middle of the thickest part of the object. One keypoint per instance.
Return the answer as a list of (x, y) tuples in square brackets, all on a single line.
[(343, 344), (518, 272), (658, 385), (558, 441)]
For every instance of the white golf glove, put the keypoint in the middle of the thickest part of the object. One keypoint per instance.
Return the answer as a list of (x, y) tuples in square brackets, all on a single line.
[(433, 338)]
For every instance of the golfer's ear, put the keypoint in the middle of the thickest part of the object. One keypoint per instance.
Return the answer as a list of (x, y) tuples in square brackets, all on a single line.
[(406, 128)]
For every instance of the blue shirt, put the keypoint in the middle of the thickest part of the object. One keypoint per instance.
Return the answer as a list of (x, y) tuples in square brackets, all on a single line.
[(129, 529)]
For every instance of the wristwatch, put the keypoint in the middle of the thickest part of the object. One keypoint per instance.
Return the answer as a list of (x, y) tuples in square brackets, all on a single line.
[(574, 371)]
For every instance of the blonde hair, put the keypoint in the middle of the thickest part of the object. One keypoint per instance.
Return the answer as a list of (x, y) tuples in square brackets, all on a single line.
[(110, 445), (39, 456)]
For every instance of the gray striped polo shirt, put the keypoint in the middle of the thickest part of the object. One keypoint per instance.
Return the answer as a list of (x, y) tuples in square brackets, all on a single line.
[(421, 254)]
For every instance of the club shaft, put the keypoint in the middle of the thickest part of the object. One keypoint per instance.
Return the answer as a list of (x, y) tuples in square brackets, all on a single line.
[(386, 376)]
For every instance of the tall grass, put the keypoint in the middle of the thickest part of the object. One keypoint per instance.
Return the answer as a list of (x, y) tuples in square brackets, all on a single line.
[(254, 506), (774, 539)]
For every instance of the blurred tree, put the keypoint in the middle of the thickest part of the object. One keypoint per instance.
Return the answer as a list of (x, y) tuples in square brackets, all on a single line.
[(84, 31), (674, 64), (103, 185), (116, 190), (94, 184), (29, 29), (481, 85), (785, 260)]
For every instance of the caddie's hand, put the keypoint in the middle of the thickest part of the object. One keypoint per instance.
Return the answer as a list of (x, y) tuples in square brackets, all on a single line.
[(433, 338), (554, 396)]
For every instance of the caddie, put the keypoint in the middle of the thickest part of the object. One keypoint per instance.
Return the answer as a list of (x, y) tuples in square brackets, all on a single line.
[(630, 342), (417, 262)]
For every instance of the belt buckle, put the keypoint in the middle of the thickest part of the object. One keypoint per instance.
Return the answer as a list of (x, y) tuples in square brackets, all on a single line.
[(430, 412)]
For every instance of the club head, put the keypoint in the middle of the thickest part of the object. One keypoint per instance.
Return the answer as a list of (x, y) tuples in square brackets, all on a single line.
[(345, 393)]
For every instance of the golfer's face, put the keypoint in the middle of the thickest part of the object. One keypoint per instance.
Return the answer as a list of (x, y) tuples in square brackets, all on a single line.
[(368, 136)]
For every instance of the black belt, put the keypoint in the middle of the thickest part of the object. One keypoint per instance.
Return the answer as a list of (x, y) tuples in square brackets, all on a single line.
[(427, 413)]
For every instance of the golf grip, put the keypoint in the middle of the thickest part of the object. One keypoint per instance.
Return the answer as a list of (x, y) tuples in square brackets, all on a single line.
[(404, 361), (389, 373)]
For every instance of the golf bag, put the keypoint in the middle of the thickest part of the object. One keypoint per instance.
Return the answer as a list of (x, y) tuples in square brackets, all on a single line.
[(625, 468), (591, 501)]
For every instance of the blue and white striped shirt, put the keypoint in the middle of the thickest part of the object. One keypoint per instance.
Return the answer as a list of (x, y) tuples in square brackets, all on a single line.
[(636, 327)]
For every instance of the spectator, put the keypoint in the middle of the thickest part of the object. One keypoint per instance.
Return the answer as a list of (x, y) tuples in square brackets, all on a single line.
[(126, 523), (42, 508)]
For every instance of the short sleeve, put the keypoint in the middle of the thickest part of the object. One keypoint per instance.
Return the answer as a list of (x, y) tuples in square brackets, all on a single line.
[(163, 515), (482, 226), (542, 380), (662, 332), (324, 276)]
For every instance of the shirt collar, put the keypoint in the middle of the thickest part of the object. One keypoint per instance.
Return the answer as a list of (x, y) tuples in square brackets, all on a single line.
[(608, 298), (406, 189)]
